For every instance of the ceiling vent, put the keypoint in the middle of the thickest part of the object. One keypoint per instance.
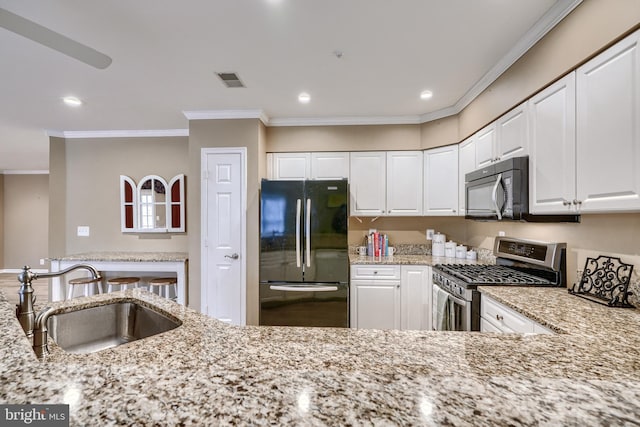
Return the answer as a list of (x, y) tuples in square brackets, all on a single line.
[(230, 79)]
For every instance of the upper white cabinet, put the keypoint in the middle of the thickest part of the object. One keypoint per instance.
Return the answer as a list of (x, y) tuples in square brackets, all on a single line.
[(552, 171), (386, 183), (293, 166), (608, 129), (504, 138), (300, 166), (404, 183), (330, 165), (441, 181), (367, 183), (466, 164)]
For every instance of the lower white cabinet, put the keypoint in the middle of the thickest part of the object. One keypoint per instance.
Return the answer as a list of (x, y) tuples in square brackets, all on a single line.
[(390, 297), (497, 317)]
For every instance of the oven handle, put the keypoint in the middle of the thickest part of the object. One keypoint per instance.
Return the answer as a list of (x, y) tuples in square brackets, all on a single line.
[(494, 196), (304, 288)]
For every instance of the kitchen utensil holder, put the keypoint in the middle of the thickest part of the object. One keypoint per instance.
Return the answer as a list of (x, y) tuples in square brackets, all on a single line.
[(605, 280)]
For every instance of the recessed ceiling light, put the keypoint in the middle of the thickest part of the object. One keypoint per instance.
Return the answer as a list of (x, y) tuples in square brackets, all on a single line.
[(426, 94), (304, 97), (72, 101)]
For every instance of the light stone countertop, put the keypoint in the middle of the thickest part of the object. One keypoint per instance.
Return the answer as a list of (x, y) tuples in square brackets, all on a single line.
[(209, 373), (123, 256), (406, 260)]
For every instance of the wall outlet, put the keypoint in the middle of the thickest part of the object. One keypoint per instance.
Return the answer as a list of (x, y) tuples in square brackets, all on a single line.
[(83, 230), (41, 261), (430, 234), (372, 230), (501, 233)]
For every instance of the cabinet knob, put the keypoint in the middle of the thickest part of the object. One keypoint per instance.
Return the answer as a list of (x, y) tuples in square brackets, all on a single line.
[(453, 210), (375, 272), (500, 318), (565, 202)]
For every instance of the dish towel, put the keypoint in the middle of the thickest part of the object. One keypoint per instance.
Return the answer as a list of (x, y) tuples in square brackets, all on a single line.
[(441, 314)]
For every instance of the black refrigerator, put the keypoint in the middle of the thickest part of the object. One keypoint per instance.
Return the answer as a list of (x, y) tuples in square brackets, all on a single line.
[(304, 260)]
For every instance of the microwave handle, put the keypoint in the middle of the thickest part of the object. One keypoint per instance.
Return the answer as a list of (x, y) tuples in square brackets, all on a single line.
[(494, 197)]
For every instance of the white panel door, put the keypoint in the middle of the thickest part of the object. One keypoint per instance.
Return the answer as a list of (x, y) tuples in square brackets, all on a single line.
[(223, 234), (367, 183), (485, 146), (330, 165), (466, 164), (608, 129), (415, 297), (291, 166), (375, 305), (441, 181), (404, 183), (512, 137), (552, 165)]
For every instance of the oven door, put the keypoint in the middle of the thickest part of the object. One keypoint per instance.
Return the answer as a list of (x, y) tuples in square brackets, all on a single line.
[(450, 313)]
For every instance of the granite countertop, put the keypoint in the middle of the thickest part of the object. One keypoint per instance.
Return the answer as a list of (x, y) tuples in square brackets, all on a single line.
[(209, 373), (123, 256), (407, 260)]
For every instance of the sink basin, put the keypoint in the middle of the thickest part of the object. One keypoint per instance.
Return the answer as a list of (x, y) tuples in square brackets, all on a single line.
[(97, 328)]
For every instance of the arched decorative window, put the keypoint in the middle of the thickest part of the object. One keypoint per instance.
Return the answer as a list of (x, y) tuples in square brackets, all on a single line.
[(153, 206)]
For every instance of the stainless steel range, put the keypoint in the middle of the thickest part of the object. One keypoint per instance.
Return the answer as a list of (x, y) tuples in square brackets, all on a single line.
[(519, 262)]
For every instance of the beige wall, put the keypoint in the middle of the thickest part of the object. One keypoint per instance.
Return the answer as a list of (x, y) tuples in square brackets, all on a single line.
[(591, 27), (226, 133), (85, 174), (407, 229), (1, 221), (26, 225)]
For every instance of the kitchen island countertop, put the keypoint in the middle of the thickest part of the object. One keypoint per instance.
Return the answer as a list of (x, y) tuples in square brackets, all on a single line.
[(125, 256), (209, 373)]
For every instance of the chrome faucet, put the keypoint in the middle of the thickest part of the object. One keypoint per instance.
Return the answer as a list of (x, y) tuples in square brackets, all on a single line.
[(32, 324)]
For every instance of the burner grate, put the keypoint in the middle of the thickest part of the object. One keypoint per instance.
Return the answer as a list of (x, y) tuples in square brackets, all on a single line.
[(492, 274)]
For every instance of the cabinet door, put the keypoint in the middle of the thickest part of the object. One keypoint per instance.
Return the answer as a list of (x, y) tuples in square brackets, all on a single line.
[(441, 181), (552, 155), (466, 164), (291, 166), (608, 129), (511, 133), (367, 183), (415, 297), (485, 146), (375, 305), (329, 165), (404, 183)]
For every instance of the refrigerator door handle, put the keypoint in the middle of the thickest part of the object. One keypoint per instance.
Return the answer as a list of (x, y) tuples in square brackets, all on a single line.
[(307, 232), (298, 209), (304, 288)]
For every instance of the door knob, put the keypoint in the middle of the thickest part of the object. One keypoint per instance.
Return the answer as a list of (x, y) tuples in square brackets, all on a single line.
[(232, 256)]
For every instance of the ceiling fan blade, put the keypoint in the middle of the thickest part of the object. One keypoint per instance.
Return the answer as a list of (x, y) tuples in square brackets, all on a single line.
[(53, 40)]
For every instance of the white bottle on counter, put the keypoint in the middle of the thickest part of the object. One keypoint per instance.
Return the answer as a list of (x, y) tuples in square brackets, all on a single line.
[(437, 245), (450, 249)]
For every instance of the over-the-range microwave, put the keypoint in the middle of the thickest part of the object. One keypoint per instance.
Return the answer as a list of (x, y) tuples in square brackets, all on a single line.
[(500, 191)]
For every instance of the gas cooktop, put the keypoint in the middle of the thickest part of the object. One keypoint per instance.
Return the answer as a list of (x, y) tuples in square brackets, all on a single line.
[(492, 274)]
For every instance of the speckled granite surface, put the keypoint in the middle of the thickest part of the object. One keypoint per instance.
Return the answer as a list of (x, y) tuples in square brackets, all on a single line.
[(208, 373), (125, 256), (407, 260)]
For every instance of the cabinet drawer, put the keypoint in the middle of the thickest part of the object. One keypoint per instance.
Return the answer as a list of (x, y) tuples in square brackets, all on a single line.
[(486, 326), (381, 272), (503, 317)]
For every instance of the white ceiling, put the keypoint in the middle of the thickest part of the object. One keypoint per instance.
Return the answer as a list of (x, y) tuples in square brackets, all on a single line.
[(165, 54)]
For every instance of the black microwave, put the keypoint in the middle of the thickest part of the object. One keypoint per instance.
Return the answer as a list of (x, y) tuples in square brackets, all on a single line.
[(498, 191)]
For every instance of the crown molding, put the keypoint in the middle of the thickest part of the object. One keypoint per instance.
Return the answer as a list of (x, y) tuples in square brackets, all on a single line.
[(545, 24), (226, 114), (344, 121), (25, 172), (139, 133)]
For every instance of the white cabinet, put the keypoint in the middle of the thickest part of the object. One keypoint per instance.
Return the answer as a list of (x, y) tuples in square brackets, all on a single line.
[(300, 166), (367, 183), (504, 138), (404, 183), (552, 171), (291, 166), (386, 183), (415, 297), (466, 164), (608, 129), (441, 181), (375, 297), (496, 317), (330, 165)]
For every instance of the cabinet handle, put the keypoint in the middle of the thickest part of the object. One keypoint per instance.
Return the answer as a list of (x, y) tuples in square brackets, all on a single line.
[(500, 318), (375, 272), (453, 210), (565, 202)]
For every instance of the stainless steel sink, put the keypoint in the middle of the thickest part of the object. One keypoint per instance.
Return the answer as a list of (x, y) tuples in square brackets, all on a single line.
[(97, 328)]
